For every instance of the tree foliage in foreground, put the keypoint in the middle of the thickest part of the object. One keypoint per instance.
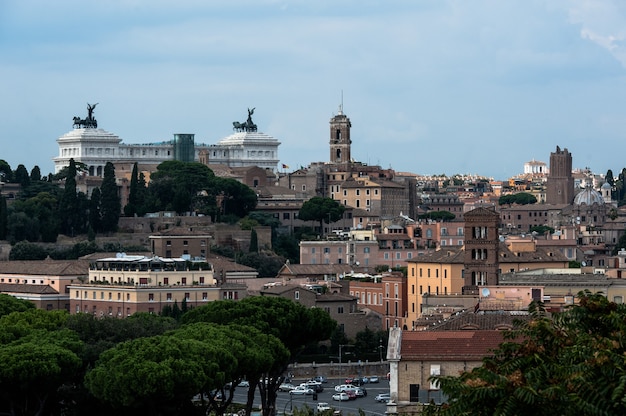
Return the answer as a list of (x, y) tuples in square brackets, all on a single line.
[(571, 364)]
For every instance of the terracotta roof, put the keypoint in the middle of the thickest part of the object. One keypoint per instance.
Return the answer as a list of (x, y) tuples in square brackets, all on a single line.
[(27, 288), (449, 345), (315, 269), (226, 264), (46, 267), (468, 320), (335, 297)]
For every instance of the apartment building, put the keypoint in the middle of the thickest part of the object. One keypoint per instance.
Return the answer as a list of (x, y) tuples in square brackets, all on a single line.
[(123, 285)]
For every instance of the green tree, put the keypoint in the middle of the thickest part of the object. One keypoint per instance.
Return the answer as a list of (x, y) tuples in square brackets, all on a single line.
[(35, 174), (6, 173), (254, 242), (520, 198), (110, 205), (131, 208), (295, 325), (571, 364), (159, 375), (37, 357), (237, 199), (68, 205), (21, 176), (95, 217), (25, 250), (4, 215), (609, 177), (9, 304), (267, 264), (321, 209)]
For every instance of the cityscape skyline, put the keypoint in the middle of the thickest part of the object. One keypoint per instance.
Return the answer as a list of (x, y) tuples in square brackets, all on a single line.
[(430, 87)]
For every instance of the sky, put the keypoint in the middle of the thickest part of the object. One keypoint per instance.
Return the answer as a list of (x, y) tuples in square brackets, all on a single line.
[(430, 86)]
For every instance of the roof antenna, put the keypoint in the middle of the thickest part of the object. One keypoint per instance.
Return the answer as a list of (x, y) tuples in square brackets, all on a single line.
[(341, 105)]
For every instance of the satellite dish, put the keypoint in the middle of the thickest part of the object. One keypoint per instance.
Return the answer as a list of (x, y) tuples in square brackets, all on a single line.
[(485, 292), (584, 263)]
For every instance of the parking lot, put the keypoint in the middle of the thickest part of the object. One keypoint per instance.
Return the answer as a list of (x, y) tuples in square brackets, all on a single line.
[(286, 402)]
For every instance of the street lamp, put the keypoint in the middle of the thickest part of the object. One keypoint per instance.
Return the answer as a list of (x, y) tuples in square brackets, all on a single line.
[(380, 349)]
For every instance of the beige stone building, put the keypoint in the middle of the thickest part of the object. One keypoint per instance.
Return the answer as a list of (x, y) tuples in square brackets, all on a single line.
[(121, 286), (44, 283)]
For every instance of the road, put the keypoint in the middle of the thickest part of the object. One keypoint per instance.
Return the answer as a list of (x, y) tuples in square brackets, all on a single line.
[(285, 401)]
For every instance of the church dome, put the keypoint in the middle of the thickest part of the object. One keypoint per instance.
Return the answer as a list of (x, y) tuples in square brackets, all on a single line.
[(588, 196)]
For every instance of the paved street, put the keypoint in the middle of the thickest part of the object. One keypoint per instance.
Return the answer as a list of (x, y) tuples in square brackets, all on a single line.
[(285, 401)]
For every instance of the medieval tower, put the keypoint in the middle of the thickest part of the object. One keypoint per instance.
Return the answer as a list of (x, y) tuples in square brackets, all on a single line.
[(560, 183), (481, 263)]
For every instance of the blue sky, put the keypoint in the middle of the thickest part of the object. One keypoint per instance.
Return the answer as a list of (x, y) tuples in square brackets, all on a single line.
[(431, 86)]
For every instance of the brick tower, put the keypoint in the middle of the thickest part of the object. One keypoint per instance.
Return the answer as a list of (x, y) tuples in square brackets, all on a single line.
[(560, 183), (481, 264)]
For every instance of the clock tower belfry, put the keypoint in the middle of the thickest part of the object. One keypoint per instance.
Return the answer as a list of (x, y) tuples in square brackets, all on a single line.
[(340, 138)]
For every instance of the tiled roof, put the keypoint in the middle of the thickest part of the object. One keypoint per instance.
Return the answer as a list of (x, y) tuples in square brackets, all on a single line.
[(449, 345), (27, 288), (335, 297), (46, 267), (456, 254), (477, 321), (318, 269)]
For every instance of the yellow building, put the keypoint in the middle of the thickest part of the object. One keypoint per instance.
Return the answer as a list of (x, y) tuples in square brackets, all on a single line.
[(442, 272)]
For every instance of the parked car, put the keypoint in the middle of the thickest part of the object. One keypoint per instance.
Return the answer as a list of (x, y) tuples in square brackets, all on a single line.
[(320, 379), (315, 385), (342, 397), (383, 397), (243, 383), (322, 406), (351, 394), (349, 380), (286, 387), (344, 387), (374, 379), (302, 390), (360, 392)]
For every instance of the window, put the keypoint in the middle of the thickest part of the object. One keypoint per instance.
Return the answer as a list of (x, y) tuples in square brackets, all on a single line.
[(150, 297), (168, 243), (340, 309), (285, 215), (296, 295), (366, 250), (168, 297), (166, 280), (185, 242), (183, 281), (187, 298), (204, 296), (326, 250)]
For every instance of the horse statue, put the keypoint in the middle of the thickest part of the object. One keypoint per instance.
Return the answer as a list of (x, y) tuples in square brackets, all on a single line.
[(84, 123)]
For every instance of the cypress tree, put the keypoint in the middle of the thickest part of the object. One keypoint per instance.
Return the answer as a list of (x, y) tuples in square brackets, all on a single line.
[(3, 218), (131, 208), (254, 242), (68, 205), (110, 205), (95, 218)]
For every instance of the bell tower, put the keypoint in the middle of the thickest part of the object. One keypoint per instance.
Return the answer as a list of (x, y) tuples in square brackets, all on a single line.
[(340, 138)]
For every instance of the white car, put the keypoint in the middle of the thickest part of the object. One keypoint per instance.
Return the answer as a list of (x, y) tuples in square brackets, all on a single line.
[(343, 387), (383, 398), (286, 387), (302, 390), (322, 406), (341, 397)]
